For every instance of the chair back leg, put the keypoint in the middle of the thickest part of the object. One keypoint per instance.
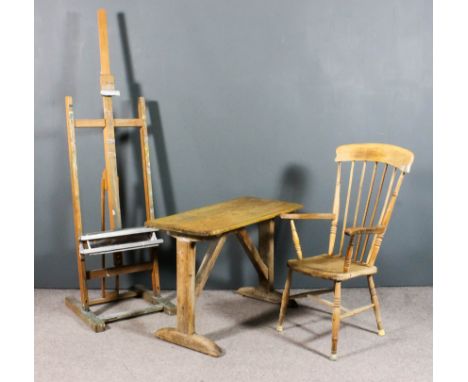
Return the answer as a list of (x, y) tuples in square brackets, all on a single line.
[(336, 319), (375, 302), (284, 301)]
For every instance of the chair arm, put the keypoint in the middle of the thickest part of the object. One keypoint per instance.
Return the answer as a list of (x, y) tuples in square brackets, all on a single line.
[(364, 230), (295, 236), (314, 216)]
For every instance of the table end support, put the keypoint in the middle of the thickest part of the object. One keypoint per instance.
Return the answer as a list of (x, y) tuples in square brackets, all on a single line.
[(263, 294), (192, 341)]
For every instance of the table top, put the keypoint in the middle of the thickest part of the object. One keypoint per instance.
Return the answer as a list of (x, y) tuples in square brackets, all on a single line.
[(220, 218)]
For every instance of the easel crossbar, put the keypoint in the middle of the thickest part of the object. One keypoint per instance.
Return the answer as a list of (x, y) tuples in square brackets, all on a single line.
[(118, 122), (130, 314), (110, 272), (113, 296)]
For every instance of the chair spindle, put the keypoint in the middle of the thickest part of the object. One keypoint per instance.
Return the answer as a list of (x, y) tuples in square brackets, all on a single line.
[(374, 210), (358, 198), (336, 210), (345, 216), (366, 209), (386, 219)]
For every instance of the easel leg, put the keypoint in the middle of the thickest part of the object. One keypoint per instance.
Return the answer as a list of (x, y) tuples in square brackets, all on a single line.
[(155, 273), (154, 296), (103, 227), (184, 334), (82, 281), (81, 308), (103, 280), (117, 263)]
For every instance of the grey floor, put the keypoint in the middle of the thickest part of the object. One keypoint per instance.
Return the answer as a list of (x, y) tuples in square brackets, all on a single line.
[(66, 350)]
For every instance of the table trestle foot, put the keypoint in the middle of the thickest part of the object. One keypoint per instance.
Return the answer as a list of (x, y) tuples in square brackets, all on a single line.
[(192, 341)]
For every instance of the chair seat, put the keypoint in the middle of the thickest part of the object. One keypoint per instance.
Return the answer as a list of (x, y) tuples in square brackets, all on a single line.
[(330, 267)]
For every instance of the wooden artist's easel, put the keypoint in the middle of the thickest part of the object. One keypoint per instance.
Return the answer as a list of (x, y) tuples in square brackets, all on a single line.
[(117, 239)]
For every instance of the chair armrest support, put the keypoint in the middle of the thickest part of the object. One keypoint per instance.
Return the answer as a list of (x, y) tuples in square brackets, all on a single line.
[(305, 216), (364, 230)]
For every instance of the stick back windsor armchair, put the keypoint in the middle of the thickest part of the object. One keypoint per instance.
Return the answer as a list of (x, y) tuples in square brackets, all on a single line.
[(368, 207)]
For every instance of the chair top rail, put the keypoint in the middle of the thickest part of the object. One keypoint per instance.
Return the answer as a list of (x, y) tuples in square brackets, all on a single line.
[(396, 156)]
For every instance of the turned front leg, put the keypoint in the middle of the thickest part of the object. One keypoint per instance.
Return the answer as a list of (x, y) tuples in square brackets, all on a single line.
[(185, 286), (375, 302), (284, 301), (336, 319)]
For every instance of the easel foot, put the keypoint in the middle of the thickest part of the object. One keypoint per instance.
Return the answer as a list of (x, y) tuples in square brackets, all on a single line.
[(168, 307), (263, 294), (88, 317), (192, 341)]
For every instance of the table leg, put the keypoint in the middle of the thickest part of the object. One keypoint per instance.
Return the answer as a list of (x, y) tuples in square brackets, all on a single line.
[(266, 248), (184, 334), (264, 291)]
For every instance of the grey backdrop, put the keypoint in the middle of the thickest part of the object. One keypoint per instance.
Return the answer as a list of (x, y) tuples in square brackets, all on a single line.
[(244, 98)]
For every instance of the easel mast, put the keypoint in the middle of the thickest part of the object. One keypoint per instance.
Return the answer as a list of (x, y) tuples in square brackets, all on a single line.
[(107, 90)]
